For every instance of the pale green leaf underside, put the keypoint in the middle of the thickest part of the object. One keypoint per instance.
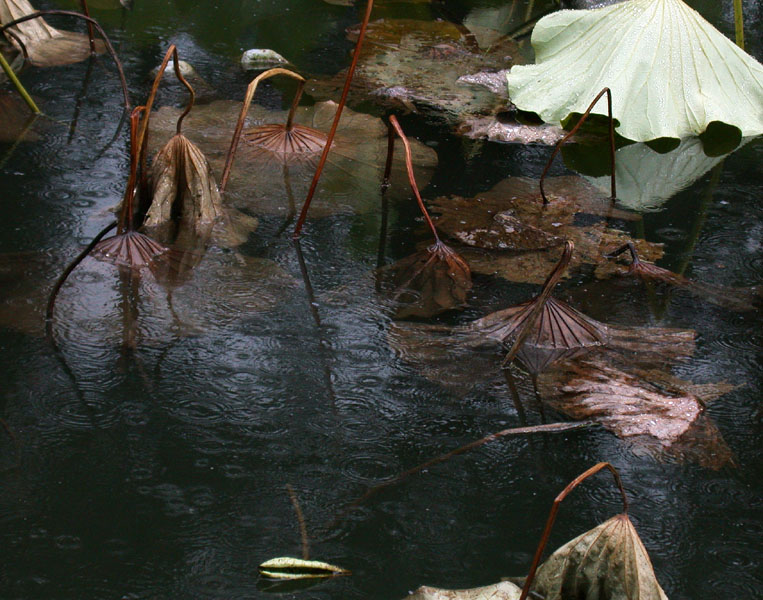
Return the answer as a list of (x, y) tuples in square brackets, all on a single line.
[(286, 567), (671, 73)]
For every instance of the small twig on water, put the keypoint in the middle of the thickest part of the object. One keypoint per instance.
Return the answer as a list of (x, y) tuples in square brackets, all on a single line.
[(555, 508)]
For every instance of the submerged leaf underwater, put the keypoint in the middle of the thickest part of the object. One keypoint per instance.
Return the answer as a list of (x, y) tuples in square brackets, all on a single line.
[(147, 453)]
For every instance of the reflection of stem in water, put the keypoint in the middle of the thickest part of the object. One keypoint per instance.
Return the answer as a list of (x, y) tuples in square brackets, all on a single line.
[(290, 196), (27, 126), (300, 521), (80, 97), (538, 399), (515, 396), (316, 317)]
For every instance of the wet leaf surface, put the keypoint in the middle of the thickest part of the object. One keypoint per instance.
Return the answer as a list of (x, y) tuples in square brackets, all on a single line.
[(429, 282), (416, 65), (296, 568), (499, 591), (263, 182), (46, 45), (609, 562)]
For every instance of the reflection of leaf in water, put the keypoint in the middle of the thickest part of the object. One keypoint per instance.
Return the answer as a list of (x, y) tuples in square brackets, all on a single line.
[(417, 64), (516, 200), (14, 117), (609, 562), (260, 181), (646, 51), (428, 282), (499, 591), (46, 45)]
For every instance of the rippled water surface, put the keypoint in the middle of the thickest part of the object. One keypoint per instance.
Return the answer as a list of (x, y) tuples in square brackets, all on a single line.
[(149, 457)]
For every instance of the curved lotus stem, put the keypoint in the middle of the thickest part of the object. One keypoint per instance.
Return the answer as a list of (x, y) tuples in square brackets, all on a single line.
[(555, 508), (250, 91), (86, 12), (335, 124), (411, 178), (540, 300), (142, 144), (94, 23), (18, 85), (573, 131)]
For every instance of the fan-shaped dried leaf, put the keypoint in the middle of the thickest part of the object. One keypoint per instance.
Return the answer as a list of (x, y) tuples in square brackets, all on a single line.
[(609, 562), (261, 181), (296, 568), (183, 186), (499, 591), (296, 143), (416, 64), (428, 282), (129, 249), (46, 45)]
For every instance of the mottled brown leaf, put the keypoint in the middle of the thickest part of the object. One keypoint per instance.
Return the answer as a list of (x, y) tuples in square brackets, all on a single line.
[(499, 591)]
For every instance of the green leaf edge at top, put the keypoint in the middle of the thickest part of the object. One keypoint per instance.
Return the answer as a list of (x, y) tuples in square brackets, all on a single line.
[(670, 71), (286, 562)]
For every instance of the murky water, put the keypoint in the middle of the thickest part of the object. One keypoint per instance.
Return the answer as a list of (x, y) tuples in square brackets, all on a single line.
[(149, 458)]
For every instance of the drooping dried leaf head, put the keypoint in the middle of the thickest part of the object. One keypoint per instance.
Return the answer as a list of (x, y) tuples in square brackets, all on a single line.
[(609, 562), (297, 142)]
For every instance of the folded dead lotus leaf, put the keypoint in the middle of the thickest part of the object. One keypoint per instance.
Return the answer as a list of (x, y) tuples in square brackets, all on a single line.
[(499, 591), (296, 568), (183, 186), (129, 249), (46, 45), (290, 143), (609, 562)]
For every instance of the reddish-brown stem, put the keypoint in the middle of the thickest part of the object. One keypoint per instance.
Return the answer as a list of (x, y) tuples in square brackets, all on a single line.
[(21, 44), (555, 508), (540, 301), (94, 23), (335, 124), (126, 216), (574, 130), (629, 246), (250, 91), (300, 521), (89, 26), (411, 178)]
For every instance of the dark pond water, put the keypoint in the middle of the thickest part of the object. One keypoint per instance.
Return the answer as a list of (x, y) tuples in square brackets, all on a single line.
[(153, 462)]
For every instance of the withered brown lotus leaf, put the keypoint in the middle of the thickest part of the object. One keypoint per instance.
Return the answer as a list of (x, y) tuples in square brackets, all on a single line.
[(46, 45), (262, 182), (129, 249), (290, 143), (609, 562), (499, 591), (183, 186), (429, 282)]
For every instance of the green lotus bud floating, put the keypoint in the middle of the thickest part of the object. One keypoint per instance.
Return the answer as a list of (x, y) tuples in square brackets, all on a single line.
[(671, 73)]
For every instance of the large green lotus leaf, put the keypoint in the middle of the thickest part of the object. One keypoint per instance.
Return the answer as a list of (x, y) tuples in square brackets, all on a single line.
[(609, 562), (417, 64), (46, 45), (499, 591), (268, 183), (671, 73)]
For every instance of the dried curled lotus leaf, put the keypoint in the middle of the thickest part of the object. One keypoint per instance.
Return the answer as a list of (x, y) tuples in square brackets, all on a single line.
[(262, 182), (46, 45), (609, 562), (671, 73), (499, 591), (296, 568), (183, 185), (129, 249)]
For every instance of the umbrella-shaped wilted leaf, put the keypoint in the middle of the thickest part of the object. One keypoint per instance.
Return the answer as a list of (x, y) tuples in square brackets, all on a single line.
[(435, 279), (45, 45), (609, 562), (672, 74), (261, 181), (499, 591), (286, 567), (416, 65)]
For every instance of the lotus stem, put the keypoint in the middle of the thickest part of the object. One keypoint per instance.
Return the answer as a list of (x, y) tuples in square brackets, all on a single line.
[(94, 23), (555, 508), (390, 152), (540, 301), (17, 84), (126, 217), (411, 178), (250, 91), (573, 131), (301, 521), (739, 23), (335, 124), (629, 246), (86, 11)]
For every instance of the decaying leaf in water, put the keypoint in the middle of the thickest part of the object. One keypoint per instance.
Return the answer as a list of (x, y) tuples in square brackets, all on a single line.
[(415, 65), (429, 282), (609, 562), (183, 186), (262, 183), (516, 200), (497, 128), (297, 568), (499, 591), (739, 299), (46, 45)]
